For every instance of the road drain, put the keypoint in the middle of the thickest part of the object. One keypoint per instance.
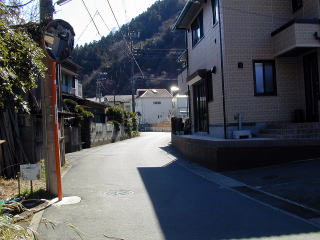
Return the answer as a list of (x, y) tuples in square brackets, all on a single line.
[(120, 192)]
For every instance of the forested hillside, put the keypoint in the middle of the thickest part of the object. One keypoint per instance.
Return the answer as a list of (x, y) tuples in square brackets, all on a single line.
[(156, 50)]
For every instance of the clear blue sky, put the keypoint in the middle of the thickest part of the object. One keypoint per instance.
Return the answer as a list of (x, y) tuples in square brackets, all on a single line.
[(75, 13)]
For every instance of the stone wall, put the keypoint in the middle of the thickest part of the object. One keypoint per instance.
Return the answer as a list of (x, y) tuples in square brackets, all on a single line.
[(95, 134)]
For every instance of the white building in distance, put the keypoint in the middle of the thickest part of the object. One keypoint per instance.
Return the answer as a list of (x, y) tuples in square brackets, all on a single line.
[(154, 106)]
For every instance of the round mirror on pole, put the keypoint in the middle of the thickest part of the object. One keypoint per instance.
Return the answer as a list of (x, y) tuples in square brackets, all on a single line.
[(58, 38)]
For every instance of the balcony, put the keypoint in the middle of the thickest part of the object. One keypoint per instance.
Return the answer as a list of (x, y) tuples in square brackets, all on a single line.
[(183, 59), (296, 37)]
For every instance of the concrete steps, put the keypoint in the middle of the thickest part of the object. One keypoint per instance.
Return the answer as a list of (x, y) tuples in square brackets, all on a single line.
[(291, 131), (162, 125)]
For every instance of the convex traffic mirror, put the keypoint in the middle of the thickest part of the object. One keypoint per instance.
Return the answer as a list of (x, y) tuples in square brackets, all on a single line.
[(58, 40)]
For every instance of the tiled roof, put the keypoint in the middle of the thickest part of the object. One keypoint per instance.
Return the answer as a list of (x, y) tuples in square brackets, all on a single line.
[(156, 93)]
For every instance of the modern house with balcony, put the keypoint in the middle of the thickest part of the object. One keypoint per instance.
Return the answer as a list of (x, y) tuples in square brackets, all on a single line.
[(252, 65)]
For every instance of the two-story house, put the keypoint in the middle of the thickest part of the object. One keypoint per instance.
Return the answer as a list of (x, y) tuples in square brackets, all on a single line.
[(70, 83), (154, 106), (259, 59)]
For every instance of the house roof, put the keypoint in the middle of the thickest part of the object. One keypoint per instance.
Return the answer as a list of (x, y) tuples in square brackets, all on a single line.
[(191, 8), (119, 98), (155, 93), (87, 102), (96, 100), (70, 67)]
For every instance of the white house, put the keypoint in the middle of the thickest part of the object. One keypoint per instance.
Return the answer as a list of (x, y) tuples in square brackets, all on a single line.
[(154, 105)]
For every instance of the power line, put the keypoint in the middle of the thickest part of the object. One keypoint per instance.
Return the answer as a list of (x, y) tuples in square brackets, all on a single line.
[(85, 29), (19, 5), (103, 21), (91, 17), (124, 39)]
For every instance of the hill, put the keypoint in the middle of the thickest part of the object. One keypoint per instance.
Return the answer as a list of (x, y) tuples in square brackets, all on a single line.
[(155, 47)]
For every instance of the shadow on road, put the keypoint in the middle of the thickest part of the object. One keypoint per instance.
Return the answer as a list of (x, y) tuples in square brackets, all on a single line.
[(189, 207)]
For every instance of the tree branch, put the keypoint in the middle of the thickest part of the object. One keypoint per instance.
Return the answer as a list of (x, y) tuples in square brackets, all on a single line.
[(19, 5)]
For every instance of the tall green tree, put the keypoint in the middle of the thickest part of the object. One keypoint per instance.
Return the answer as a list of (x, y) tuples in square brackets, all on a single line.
[(21, 62)]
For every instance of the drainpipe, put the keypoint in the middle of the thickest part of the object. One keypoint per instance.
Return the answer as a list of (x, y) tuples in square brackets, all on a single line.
[(222, 74)]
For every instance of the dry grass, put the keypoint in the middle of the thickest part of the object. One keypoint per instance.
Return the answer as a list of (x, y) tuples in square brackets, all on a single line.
[(9, 187), (17, 228), (9, 230)]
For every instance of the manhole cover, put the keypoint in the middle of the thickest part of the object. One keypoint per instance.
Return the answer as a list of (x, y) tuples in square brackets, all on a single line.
[(121, 192)]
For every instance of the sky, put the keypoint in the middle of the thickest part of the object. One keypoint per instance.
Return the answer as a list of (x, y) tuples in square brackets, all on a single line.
[(75, 13)]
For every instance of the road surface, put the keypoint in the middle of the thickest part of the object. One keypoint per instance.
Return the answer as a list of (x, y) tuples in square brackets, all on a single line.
[(135, 190)]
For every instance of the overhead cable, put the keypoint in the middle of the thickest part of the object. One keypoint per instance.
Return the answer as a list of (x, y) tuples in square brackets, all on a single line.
[(124, 39), (103, 21), (19, 5), (91, 17), (85, 29)]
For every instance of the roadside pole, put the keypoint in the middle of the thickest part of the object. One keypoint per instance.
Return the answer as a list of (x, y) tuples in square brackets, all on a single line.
[(132, 88), (50, 115)]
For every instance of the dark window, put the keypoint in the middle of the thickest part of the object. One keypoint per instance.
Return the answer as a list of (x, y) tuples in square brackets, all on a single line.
[(264, 78), (296, 5), (73, 82), (197, 29), (200, 106), (215, 9)]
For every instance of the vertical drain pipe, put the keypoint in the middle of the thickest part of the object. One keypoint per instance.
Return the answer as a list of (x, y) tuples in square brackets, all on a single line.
[(222, 74)]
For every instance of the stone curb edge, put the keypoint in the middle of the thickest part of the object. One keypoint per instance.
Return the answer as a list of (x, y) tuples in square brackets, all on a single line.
[(36, 219)]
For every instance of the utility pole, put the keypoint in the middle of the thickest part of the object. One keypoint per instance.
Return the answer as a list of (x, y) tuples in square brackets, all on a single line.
[(98, 89), (50, 114), (133, 34), (132, 88)]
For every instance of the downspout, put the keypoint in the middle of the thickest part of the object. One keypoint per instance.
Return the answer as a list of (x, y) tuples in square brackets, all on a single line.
[(222, 74), (189, 103)]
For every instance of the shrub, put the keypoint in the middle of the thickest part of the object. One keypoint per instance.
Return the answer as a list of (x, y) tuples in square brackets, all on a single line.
[(78, 110), (134, 118), (115, 124), (115, 113), (71, 104)]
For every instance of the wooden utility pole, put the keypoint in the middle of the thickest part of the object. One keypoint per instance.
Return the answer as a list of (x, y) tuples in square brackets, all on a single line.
[(50, 114)]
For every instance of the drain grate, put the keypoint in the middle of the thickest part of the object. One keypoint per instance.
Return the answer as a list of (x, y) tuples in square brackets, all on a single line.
[(121, 192)]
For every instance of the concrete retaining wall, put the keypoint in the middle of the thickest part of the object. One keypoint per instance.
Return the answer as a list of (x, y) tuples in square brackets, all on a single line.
[(222, 155), (101, 133)]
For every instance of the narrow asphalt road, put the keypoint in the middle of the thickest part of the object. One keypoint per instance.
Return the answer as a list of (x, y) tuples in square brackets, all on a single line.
[(134, 190)]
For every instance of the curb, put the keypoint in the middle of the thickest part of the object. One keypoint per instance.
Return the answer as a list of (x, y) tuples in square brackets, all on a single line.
[(36, 219), (233, 185)]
